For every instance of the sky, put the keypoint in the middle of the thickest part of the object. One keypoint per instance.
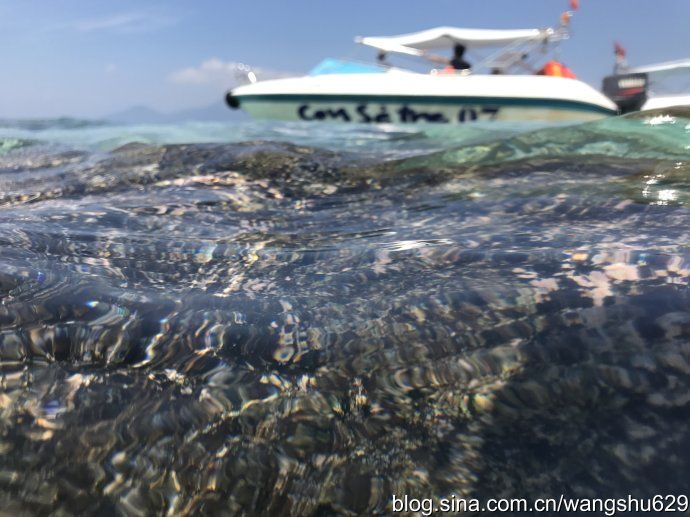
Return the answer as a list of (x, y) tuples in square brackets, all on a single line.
[(90, 58)]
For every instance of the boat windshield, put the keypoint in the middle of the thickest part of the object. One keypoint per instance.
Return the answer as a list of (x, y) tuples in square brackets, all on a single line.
[(341, 66)]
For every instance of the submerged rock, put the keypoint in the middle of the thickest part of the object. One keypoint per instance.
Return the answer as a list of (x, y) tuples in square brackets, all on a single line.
[(268, 328)]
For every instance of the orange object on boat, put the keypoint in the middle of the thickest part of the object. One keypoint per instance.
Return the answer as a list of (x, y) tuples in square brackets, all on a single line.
[(556, 69)]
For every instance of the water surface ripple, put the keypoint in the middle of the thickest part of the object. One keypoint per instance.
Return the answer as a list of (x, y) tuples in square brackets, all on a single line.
[(304, 321)]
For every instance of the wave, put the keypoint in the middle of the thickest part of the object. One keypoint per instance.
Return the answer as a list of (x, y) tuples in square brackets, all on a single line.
[(42, 124), (10, 144)]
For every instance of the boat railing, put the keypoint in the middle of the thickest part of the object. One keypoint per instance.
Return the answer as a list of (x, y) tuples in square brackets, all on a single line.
[(518, 52), (244, 73)]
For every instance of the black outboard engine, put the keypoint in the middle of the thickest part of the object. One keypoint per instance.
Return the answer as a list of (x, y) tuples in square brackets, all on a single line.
[(628, 91)]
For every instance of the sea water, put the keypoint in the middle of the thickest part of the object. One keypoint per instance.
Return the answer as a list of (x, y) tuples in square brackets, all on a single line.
[(297, 319)]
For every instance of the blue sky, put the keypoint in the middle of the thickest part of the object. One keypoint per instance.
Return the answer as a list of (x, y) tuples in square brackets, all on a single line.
[(91, 57)]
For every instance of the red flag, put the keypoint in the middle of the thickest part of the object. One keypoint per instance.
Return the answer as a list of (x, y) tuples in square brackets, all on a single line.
[(574, 4), (619, 50)]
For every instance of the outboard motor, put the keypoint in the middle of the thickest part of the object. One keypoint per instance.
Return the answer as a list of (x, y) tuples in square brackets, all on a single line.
[(628, 91)]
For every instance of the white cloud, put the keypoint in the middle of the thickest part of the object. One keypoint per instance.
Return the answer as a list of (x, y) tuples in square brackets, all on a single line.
[(216, 71), (125, 22), (210, 71)]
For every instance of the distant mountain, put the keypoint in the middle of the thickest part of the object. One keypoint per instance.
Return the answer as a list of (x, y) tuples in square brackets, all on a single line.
[(137, 115), (216, 112)]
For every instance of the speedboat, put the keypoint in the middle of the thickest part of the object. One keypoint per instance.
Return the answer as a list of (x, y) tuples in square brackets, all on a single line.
[(504, 85), (649, 87)]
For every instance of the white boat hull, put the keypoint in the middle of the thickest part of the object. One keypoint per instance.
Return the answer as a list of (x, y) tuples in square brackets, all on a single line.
[(391, 112), (666, 101), (405, 97)]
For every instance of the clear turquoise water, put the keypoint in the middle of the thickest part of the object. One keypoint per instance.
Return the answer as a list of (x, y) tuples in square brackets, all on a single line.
[(306, 320)]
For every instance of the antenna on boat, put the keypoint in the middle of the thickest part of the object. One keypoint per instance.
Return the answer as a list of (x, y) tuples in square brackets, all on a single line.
[(567, 15), (621, 65)]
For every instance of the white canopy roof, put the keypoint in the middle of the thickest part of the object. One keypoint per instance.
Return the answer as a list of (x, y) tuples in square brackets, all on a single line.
[(389, 46), (444, 37), (663, 68)]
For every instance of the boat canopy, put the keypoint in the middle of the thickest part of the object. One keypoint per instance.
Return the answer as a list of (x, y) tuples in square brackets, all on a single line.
[(444, 37), (668, 68)]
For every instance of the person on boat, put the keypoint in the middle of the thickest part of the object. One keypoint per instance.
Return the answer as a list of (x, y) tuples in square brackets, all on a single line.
[(458, 62)]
